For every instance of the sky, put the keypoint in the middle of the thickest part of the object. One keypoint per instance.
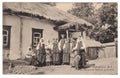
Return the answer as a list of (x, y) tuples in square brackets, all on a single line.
[(64, 6), (68, 5)]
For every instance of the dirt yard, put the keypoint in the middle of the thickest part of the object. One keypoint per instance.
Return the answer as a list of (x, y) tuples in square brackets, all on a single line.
[(98, 66)]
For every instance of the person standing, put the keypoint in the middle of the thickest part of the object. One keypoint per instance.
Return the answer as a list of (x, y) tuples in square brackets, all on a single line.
[(77, 60), (80, 48), (56, 54), (48, 53), (66, 52), (72, 54), (60, 46), (41, 54)]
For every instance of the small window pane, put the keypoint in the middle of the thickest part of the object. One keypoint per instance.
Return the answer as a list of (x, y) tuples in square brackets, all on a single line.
[(4, 43), (4, 38), (36, 35), (5, 32)]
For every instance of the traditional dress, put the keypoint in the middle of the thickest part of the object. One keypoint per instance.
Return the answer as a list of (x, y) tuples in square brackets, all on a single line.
[(48, 58), (80, 48), (28, 56), (72, 54), (56, 54), (41, 54), (66, 52), (31, 57), (48, 54), (60, 46)]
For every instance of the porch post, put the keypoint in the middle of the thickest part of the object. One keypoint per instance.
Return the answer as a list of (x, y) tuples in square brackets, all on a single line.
[(67, 33)]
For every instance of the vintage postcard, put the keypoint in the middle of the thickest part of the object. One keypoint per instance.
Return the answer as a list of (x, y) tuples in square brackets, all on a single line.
[(60, 38)]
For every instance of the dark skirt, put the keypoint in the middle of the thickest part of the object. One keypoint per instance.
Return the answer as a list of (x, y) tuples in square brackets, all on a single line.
[(83, 58), (41, 58), (56, 58), (66, 58)]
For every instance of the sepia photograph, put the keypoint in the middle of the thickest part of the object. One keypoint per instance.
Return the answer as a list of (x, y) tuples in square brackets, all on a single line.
[(60, 38)]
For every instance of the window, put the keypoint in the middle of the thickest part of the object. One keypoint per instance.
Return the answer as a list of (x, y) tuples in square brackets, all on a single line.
[(36, 35), (6, 36)]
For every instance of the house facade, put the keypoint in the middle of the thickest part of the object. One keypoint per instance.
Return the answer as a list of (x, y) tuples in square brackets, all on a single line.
[(21, 32), (25, 23)]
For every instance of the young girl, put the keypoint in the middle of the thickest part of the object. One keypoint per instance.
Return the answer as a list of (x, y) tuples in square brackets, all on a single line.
[(77, 60), (48, 57)]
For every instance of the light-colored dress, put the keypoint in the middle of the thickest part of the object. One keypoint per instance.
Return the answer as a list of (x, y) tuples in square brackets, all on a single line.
[(48, 53)]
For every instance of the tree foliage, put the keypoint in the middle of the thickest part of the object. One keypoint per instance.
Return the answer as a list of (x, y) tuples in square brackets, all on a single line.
[(82, 10), (50, 3), (104, 19), (106, 27)]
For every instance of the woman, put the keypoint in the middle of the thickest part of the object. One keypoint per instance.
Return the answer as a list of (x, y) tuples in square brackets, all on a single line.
[(41, 54), (60, 46), (66, 52), (48, 53), (31, 57), (56, 54)]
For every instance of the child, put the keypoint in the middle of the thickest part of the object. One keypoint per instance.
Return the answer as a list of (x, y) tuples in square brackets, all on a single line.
[(77, 60), (48, 57)]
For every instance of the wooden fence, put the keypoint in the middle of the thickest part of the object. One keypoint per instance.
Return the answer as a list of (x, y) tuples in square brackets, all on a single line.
[(108, 50)]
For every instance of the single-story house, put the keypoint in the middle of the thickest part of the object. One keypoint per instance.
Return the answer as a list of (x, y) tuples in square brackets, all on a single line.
[(25, 23)]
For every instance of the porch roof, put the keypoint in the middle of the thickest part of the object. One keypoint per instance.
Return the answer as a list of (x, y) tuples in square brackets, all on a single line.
[(73, 25)]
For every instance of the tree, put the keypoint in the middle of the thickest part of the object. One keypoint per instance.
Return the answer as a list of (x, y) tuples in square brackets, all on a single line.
[(106, 26), (50, 3), (82, 9), (104, 19)]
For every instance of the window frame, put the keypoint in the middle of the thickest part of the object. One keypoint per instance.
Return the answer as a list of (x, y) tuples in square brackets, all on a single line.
[(8, 35), (36, 31)]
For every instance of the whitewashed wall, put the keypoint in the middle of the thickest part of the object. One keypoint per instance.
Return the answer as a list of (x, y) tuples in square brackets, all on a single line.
[(28, 24), (14, 22)]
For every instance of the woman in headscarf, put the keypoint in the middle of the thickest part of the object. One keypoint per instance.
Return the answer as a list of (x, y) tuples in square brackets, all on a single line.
[(41, 54), (60, 46), (56, 54), (31, 56), (66, 52), (48, 53)]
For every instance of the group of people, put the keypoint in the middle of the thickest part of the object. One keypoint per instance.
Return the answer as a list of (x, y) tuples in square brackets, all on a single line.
[(68, 51)]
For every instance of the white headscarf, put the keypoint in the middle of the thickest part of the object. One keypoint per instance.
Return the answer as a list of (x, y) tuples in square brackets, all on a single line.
[(40, 42)]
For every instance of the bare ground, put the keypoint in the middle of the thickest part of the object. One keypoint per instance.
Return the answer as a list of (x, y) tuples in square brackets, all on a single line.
[(99, 66)]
